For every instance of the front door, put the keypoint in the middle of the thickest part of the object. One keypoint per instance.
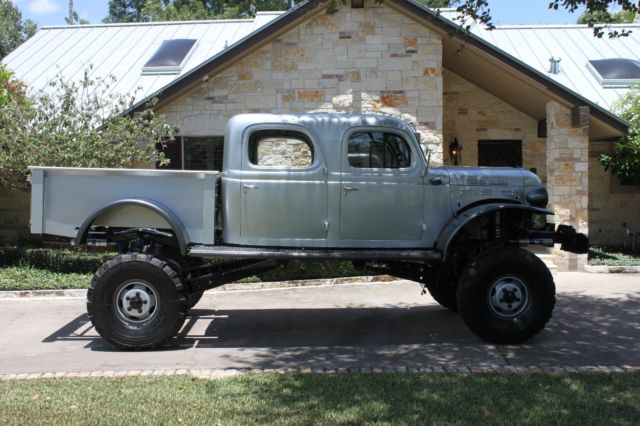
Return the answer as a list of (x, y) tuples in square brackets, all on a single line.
[(381, 189), (500, 153), (283, 189)]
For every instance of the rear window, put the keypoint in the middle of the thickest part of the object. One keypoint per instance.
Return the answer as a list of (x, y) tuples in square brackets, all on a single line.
[(378, 150), (280, 149)]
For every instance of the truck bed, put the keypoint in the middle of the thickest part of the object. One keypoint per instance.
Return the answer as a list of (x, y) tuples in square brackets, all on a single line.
[(62, 199)]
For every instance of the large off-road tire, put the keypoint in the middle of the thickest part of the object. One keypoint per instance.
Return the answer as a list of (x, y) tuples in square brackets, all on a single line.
[(136, 301), (444, 291), (506, 295)]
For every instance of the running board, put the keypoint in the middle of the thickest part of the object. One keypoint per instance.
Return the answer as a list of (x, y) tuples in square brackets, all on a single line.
[(302, 253)]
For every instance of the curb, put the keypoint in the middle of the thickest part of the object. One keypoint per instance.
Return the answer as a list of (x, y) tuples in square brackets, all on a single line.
[(605, 269), (230, 372), (81, 293)]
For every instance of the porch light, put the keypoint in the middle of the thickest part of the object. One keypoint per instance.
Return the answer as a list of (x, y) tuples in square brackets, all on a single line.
[(455, 152)]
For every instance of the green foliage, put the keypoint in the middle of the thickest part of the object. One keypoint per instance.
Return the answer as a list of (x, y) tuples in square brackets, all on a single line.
[(188, 10), (13, 30), (624, 161), (12, 91), (622, 17), (54, 260), (77, 124), (479, 11), (613, 257), (24, 278), (311, 270), (125, 11)]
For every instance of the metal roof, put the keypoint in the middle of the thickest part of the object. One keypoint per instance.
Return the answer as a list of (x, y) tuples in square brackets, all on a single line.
[(574, 45), (122, 50)]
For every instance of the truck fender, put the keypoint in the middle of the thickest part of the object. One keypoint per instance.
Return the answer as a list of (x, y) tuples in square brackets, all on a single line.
[(171, 218), (458, 222)]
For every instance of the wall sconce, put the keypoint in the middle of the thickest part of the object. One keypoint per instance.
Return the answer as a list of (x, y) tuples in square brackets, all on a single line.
[(455, 152)]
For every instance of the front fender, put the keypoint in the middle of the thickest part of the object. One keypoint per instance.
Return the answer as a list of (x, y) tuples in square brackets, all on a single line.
[(459, 221), (165, 213)]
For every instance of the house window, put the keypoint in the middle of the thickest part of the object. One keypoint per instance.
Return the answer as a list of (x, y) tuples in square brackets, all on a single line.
[(170, 57), (616, 72), (282, 149), (194, 153), (378, 150), (500, 153)]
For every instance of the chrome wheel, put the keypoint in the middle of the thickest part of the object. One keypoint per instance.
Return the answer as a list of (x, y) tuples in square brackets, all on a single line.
[(136, 301), (508, 297)]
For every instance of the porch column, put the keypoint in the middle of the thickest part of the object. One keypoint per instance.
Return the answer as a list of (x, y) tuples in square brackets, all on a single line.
[(568, 177)]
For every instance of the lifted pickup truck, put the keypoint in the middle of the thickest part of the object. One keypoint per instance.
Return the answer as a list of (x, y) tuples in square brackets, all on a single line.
[(312, 186)]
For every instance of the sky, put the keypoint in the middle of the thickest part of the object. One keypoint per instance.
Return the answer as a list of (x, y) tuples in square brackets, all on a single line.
[(504, 12)]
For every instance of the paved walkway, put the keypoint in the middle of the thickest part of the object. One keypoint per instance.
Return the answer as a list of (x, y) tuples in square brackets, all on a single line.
[(370, 327)]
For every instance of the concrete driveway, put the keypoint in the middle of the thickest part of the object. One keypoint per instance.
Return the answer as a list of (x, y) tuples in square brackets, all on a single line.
[(596, 322)]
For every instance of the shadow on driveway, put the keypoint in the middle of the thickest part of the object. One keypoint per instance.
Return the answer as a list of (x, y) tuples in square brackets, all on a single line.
[(585, 330)]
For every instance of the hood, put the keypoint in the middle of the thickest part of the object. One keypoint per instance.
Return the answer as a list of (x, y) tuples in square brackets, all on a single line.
[(471, 185), (491, 176)]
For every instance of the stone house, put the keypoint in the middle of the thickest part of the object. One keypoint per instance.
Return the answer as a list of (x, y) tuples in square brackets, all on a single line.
[(392, 58)]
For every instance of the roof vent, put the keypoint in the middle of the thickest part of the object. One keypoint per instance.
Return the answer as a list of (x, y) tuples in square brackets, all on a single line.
[(554, 65), (615, 72), (170, 57)]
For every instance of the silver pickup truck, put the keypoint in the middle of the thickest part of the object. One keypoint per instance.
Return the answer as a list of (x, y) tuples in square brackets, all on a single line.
[(312, 186)]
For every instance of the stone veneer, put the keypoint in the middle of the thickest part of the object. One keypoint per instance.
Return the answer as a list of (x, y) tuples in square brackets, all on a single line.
[(611, 204), (472, 114), (355, 61), (568, 177)]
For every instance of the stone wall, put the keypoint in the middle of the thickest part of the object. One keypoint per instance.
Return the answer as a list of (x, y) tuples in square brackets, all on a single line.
[(356, 61), (568, 177), (611, 204), (472, 114)]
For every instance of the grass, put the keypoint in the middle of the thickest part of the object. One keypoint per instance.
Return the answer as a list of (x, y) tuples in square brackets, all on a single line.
[(25, 278), (613, 257), (586, 399)]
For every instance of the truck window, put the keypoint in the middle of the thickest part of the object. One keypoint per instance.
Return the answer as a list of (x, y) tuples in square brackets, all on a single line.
[(280, 149), (378, 150)]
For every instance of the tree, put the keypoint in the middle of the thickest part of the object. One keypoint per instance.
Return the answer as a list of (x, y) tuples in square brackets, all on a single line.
[(624, 161), (13, 30), (188, 10), (126, 11), (480, 12), (11, 90), (621, 17), (77, 125)]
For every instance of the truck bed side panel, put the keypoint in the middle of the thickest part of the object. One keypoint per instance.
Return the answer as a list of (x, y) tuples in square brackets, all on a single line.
[(62, 198)]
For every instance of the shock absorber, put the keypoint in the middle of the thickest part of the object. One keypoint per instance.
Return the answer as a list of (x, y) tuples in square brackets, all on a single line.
[(498, 230)]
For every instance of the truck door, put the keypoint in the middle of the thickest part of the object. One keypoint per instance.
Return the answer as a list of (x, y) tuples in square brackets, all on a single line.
[(381, 188), (283, 188)]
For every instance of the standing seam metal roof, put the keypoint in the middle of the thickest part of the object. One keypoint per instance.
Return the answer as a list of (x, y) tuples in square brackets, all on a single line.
[(121, 50)]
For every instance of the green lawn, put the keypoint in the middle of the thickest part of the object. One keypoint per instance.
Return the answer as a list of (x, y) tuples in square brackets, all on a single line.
[(580, 399)]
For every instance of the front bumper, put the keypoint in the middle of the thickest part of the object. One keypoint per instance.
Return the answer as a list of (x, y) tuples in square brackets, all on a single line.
[(565, 235)]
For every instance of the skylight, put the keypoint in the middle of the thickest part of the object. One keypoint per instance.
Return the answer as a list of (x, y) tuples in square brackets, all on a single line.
[(170, 57), (616, 72)]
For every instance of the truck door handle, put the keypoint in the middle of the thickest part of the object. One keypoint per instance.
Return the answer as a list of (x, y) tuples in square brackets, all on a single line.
[(247, 186), (348, 189), (436, 181)]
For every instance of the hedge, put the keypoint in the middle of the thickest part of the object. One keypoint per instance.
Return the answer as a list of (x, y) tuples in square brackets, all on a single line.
[(82, 262)]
